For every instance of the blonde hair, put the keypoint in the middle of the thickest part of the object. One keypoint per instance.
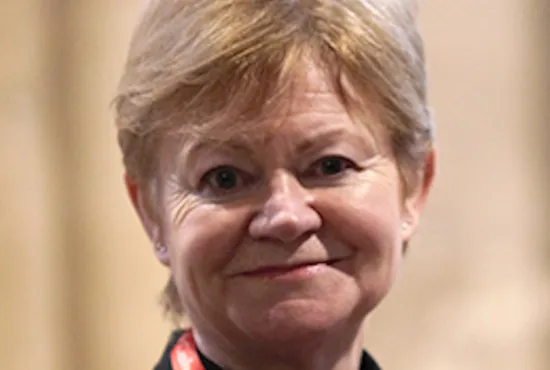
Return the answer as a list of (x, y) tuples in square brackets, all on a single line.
[(198, 64)]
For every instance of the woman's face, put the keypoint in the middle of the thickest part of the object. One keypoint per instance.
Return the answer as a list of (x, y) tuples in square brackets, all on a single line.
[(294, 231)]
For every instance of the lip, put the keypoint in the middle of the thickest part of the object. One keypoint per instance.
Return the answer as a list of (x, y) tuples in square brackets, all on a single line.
[(291, 272)]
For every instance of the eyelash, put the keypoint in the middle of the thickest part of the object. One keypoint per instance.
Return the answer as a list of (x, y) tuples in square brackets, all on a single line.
[(208, 187), (244, 180), (347, 165)]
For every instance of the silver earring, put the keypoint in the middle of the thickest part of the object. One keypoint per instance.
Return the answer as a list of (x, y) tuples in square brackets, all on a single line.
[(405, 225)]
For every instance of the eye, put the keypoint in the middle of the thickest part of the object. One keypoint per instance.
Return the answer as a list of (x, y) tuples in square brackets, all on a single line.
[(330, 166), (224, 179)]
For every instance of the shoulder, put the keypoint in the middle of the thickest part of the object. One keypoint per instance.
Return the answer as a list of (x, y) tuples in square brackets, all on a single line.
[(368, 363), (164, 362)]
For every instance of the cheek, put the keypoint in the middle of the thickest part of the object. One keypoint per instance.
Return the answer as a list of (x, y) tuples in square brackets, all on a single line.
[(367, 220), (201, 245)]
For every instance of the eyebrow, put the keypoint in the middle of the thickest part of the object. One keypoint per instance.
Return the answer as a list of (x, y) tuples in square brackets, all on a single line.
[(328, 136), (317, 139), (190, 152)]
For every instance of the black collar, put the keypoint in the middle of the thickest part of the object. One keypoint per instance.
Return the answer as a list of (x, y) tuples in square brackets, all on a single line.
[(367, 362)]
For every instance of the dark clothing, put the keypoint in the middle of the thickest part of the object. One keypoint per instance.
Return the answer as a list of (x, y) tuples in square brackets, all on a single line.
[(367, 363)]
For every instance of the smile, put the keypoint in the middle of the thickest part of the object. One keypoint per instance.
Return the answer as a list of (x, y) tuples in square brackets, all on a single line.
[(291, 272)]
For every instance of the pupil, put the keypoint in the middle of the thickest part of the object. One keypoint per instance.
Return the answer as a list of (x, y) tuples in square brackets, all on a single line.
[(332, 166), (226, 179)]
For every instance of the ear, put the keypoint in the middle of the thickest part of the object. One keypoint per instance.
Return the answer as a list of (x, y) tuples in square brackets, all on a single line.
[(416, 199), (150, 223)]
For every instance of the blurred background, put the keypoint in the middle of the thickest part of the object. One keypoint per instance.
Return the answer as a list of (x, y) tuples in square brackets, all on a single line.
[(78, 280)]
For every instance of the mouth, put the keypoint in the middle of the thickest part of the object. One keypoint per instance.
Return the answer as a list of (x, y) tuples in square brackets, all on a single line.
[(292, 270)]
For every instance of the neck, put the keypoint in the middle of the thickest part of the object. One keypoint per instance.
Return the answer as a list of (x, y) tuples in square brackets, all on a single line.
[(337, 350)]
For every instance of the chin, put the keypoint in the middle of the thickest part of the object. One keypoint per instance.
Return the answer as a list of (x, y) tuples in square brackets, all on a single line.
[(299, 320)]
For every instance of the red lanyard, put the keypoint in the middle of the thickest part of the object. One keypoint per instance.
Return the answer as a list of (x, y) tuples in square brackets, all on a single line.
[(184, 355)]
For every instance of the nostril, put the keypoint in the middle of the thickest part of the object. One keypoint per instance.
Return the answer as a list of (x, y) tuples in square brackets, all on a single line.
[(309, 234), (283, 226)]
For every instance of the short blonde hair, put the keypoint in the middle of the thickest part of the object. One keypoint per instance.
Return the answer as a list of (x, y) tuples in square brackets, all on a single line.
[(194, 64)]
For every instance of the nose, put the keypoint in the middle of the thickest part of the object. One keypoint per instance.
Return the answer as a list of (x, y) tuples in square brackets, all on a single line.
[(286, 214)]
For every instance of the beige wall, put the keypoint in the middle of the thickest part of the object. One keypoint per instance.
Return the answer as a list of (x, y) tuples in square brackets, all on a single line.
[(79, 283)]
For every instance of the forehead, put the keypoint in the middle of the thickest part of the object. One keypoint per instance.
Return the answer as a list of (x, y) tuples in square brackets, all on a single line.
[(311, 105), (308, 117)]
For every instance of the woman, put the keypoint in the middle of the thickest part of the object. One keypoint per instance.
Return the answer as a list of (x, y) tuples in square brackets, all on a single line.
[(279, 154)]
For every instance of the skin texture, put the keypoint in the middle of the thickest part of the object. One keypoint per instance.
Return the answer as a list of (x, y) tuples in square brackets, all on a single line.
[(308, 187)]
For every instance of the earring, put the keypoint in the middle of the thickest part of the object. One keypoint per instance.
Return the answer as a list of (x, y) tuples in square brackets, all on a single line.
[(405, 225), (160, 248)]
